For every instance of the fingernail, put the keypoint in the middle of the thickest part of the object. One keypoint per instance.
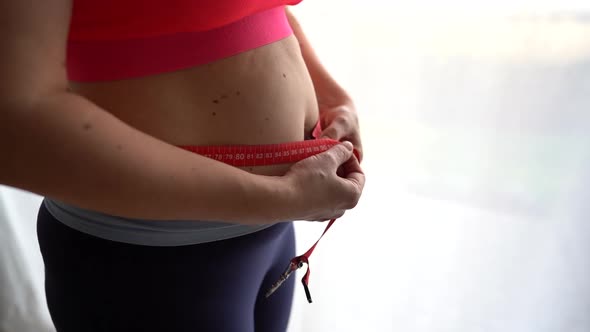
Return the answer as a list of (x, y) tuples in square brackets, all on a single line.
[(348, 145)]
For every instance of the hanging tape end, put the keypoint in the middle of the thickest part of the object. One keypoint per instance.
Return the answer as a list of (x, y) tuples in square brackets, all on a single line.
[(307, 293)]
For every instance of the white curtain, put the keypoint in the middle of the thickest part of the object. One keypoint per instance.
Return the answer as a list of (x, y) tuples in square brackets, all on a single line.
[(22, 301), (476, 127)]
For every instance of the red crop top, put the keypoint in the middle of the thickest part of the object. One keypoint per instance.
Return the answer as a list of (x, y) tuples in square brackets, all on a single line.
[(117, 39)]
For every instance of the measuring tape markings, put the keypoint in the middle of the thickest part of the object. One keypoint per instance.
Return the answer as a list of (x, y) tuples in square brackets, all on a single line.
[(273, 154), (263, 155)]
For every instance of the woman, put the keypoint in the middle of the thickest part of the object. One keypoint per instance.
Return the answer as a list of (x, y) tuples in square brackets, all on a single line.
[(137, 233)]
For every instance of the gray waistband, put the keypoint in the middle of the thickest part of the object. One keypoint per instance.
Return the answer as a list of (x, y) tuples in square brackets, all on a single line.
[(145, 232)]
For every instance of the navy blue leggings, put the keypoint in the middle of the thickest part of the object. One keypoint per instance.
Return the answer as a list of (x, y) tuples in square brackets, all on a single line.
[(93, 284)]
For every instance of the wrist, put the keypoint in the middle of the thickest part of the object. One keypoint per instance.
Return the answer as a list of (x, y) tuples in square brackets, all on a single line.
[(272, 200)]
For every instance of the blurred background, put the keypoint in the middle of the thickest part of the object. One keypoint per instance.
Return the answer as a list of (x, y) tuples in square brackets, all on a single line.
[(476, 126)]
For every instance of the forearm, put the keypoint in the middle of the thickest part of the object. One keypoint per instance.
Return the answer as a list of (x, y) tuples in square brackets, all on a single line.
[(69, 149), (327, 89)]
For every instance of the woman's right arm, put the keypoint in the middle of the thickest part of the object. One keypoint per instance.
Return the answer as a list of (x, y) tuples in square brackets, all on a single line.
[(58, 144)]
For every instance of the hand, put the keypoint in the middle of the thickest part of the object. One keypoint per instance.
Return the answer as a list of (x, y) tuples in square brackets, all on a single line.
[(339, 121), (326, 185)]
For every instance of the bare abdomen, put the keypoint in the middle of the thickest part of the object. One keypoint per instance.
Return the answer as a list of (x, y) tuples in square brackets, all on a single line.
[(262, 96)]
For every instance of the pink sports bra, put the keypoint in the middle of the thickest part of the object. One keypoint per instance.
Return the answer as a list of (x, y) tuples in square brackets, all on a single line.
[(118, 39)]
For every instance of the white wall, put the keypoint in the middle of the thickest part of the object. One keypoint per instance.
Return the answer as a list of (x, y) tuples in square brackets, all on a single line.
[(477, 136)]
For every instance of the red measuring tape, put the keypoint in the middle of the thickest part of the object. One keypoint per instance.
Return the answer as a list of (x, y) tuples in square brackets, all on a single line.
[(297, 263), (273, 154), (263, 155)]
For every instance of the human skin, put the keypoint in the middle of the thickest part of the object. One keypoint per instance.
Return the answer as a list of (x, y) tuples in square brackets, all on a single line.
[(111, 146)]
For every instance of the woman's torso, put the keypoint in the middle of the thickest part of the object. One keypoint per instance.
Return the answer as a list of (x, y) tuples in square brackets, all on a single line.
[(262, 96)]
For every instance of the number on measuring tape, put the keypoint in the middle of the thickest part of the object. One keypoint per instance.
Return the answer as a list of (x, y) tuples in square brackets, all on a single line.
[(263, 154)]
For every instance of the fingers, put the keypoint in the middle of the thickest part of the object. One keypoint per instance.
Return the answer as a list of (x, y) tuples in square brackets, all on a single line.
[(337, 129), (358, 147), (355, 176), (350, 166), (338, 154), (358, 179), (333, 179), (331, 132), (340, 130)]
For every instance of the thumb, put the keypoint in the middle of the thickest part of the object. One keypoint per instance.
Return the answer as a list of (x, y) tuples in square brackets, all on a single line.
[(340, 153), (331, 132)]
